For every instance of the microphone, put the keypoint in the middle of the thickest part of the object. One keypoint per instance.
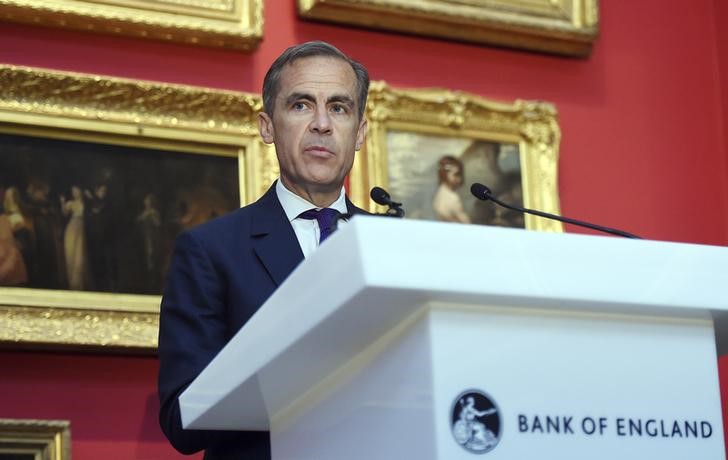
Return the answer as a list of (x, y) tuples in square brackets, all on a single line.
[(381, 197), (484, 193)]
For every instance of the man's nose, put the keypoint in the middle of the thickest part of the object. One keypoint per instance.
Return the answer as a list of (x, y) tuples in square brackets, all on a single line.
[(321, 123)]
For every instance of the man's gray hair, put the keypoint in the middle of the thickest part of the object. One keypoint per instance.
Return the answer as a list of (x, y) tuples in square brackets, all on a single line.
[(271, 83)]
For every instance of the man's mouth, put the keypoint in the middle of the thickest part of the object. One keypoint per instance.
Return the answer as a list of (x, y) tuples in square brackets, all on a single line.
[(318, 150)]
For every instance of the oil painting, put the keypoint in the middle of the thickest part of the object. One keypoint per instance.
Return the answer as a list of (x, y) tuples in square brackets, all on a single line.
[(89, 217), (432, 175)]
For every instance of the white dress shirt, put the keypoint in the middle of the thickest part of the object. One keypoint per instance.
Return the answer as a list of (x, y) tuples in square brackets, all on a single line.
[(307, 230)]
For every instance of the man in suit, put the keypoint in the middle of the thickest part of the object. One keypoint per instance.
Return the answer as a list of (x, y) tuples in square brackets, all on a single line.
[(222, 271)]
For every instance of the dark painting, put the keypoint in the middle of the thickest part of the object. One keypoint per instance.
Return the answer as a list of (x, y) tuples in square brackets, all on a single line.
[(97, 217)]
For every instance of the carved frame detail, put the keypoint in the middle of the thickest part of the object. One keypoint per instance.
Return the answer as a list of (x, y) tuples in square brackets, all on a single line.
[(235, 24)]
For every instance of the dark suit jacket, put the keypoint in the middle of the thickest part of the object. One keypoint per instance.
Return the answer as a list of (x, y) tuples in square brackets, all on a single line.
[(221, 273)]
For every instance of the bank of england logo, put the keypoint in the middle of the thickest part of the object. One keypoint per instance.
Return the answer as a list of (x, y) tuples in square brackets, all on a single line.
[(475, 422)]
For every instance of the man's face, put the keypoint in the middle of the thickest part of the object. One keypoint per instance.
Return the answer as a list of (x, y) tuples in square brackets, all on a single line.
[(315, 125)]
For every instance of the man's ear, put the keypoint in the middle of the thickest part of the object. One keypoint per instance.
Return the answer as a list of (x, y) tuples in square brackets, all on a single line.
[(361, 134), (265, 126)]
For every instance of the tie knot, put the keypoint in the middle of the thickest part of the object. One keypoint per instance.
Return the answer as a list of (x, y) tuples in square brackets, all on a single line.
[(326, 218)]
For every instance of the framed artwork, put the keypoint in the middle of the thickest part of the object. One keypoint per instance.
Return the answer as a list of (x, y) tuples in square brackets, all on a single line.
[(234, 24), (97, 177), (567, 27), (427, 146), (22, 439)]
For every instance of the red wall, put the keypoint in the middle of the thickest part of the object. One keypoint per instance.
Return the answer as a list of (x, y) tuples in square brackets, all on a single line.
[(643, 120), (111, 401), (721, 14)]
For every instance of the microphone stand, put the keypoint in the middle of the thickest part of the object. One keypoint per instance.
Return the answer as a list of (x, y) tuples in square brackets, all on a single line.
[(391, 212), (485, 194), (394, 211)]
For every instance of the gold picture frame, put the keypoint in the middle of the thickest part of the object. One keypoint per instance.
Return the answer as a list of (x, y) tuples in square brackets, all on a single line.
[(531, 126), (47, 104), (37, 439), (566, 27), (234, 24)]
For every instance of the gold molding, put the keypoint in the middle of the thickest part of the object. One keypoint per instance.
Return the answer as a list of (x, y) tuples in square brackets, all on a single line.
[(567, 27), (234, 24), (79, 327), (45, 103), (533, 125), (43, 439)]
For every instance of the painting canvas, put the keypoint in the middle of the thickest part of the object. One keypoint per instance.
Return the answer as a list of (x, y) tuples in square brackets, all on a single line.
[(432, 174), (85, 216)]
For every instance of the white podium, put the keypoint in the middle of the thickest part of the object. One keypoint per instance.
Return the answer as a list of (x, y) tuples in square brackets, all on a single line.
[(421, 340)]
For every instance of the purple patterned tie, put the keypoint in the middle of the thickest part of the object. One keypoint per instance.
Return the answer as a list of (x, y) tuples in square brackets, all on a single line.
[(326, 219)]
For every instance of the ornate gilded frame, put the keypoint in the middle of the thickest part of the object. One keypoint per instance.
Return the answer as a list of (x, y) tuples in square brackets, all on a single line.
[(63, 105), (44, 439), (567, 27), (235, 24), (532, 125)]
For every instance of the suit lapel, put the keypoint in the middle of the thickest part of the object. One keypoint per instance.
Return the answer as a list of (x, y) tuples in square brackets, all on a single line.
[(273, 239)]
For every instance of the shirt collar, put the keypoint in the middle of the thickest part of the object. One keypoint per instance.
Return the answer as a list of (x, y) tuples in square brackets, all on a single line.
[(293, 205)]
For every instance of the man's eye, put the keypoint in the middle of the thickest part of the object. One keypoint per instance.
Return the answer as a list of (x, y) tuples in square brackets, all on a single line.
[(299, 106), (338, 108)]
